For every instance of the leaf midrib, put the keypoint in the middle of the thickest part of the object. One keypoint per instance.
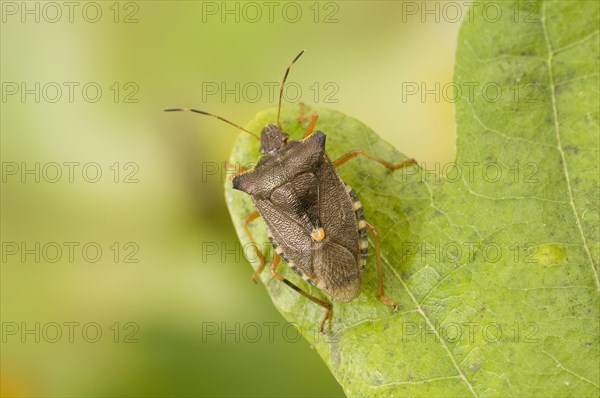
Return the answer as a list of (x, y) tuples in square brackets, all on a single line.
[(556, 124)]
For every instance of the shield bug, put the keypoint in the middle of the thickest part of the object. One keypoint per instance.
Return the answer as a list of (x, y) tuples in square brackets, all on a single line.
[(314, 220)]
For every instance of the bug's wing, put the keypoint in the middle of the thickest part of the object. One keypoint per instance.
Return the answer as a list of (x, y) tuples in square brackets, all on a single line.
[(328, 265), (289, 234), (336, 271), (336, 210)]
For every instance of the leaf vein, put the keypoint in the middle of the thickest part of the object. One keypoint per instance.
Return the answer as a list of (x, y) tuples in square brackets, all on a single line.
[(426, 318), (575, 43), (396, 383), (560, 365), (560, 148)]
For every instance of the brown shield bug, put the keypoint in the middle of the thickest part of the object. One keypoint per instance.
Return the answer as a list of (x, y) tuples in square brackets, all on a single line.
[(314, 220)]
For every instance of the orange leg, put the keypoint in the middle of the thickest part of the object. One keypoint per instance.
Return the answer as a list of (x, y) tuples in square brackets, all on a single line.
[(324, 304), (313, 116), (249, 218), (352, 154), (380, 294), (237, 169)]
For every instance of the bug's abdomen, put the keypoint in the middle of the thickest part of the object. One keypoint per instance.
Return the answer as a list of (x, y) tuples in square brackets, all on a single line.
[(363, 241)]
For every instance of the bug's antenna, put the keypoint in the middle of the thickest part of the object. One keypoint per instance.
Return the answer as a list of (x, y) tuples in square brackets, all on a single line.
[(287, 71), (210, 114)]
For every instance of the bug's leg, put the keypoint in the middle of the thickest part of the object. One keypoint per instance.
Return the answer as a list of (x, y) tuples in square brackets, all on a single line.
[(249, 218), (322, 303), (352, 154), (237, 169), (380, 294), (313, 116)]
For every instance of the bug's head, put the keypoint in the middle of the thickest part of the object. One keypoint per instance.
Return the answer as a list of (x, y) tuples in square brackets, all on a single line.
[(272, 139)]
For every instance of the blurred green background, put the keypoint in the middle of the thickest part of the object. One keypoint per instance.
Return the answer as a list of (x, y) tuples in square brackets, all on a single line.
[(162, 301)]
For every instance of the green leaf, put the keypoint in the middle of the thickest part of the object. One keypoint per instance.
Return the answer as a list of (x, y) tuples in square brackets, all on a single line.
[(495, 266)]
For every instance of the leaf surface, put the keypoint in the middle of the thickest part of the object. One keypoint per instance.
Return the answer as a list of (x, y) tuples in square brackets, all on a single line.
[(495, 265)]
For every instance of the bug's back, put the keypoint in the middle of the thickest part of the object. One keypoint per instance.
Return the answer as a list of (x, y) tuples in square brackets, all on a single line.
[(297, 192)]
